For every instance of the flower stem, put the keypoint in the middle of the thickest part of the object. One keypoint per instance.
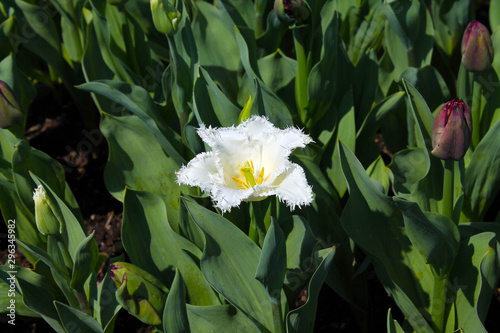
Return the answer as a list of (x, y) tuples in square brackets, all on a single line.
[(476, 111), (279, 325), (301, 79), (448, 188), (438, 305)]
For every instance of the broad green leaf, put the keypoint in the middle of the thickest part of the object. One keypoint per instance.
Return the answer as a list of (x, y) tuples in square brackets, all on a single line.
[(302, 319), (373, 221), (10, 292), (138, 101), (210, 105), (239, 13), (39, 296), (217, 47), (272, 262), (278, 73), (137, 160), (86, 257), (472, 282), (231, 275), (482, 179), (73, 319), (364, 86), (435, 236), (107, 307), (46, 259), (494, 15), (330, 79), (219, 318), (379, 173), (450, 19), (266, 102), (39, 34), (152, 245), (175, 317)]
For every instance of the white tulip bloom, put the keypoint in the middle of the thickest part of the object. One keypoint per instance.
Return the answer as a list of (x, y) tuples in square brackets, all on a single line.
[(249, 162)]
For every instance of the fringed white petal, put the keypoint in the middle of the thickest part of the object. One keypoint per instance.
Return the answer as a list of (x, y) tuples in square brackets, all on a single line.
[(292, 187), (226, 198), (201, 171)]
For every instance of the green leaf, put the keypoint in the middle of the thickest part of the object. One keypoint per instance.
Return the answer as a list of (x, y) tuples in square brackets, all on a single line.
[(210, 105), (131, 163), (73, 319), (331, 74), (482, 179), (379, 174), (107, 307), (175, 317), (9, 292), (237, 13), (86, 257), (373, 221), (137, 101), (231, 275), (152, 245), (392, 325), (472, 282), (302, 319), (219, 318), (435, 236), (272, 263), (266, 102), (46, 259), (39, 296)]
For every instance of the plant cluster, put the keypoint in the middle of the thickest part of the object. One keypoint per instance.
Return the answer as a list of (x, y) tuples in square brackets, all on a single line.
[(261, 149)]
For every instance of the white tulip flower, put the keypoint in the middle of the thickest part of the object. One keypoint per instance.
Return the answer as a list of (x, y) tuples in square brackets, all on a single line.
[(249, 162)]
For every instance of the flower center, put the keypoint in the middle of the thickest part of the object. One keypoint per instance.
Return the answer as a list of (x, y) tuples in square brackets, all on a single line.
[(248, 171)]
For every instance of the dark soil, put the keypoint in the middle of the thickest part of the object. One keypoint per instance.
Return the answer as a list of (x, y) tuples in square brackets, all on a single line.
[(56, 128)]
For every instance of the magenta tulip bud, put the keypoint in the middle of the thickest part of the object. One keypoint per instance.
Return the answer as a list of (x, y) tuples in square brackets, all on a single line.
[(452, 131), (477, 50), (291, 11)]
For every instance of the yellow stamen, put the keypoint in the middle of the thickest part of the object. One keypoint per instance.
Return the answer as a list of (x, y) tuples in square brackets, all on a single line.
[(247, 171)]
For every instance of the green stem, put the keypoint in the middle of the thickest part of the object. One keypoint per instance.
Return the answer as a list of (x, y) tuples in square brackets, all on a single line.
[(278, 323), (448, 188), (476, 111), (82, 301), (301, 95), (438, 306)]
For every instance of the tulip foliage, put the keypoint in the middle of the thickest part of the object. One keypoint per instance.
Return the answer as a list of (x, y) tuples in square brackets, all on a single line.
[(261, 149)]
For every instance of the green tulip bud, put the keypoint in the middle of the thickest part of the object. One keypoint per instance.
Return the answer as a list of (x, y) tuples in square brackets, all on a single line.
[(452, 131), (292, 11), (477, 50), (139, 292), (11, 112), (165, 16), (46, 220)]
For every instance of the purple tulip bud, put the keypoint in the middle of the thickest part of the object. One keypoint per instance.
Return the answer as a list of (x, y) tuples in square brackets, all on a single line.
[(477, 50), (291, 11), (452, 131)]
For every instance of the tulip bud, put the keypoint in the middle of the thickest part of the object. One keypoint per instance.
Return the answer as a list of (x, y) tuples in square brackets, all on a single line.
[(139, 292), (452, 131), (165, 16), (477, 50), (11, 113), (292, 11), (45, 217)]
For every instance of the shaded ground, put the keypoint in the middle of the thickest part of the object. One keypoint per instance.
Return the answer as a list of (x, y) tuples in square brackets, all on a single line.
[(56, 129)]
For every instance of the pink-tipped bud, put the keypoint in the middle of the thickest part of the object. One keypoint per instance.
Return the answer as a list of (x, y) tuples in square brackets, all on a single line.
[(452, 131), (477, 49), (292, 11)]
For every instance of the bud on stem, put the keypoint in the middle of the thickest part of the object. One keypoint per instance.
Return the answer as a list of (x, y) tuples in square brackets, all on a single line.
[(477, 49)]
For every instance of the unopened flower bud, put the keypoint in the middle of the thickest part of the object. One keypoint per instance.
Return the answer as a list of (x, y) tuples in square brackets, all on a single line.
[(165, 16), (452, 131), (11, 112), (292, 11), (477, 50), (139, 292), (45, 217)]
